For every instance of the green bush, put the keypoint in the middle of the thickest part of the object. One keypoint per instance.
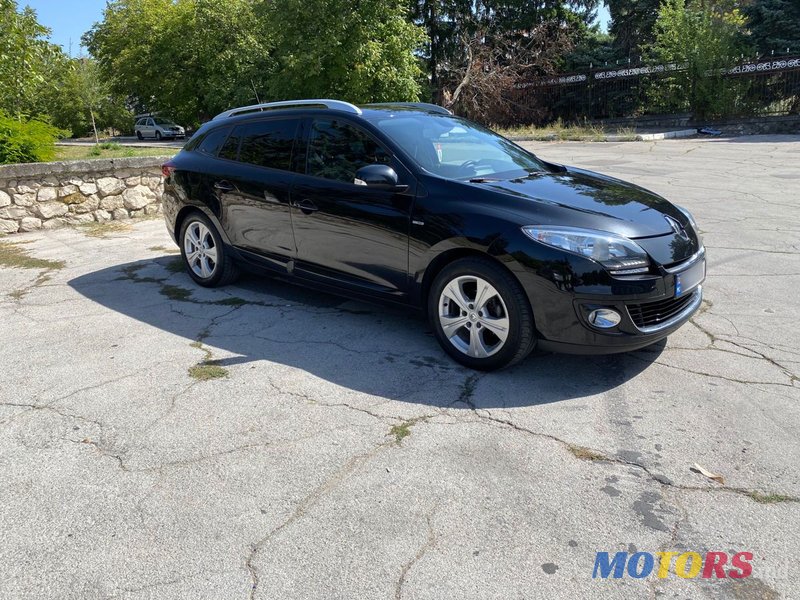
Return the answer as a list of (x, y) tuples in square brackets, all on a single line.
[(23, 141)]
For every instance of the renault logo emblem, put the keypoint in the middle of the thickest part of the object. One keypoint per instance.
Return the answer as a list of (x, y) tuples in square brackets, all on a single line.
[(677, 227)]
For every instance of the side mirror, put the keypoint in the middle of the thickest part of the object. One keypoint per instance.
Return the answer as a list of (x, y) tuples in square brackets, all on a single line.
[(379, 177)]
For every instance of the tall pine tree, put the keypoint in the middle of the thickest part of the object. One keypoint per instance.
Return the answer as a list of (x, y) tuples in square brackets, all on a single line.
[(632, 23), (774, 25)]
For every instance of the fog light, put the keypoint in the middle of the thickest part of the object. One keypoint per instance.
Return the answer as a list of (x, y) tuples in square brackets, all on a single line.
[(604, 318)]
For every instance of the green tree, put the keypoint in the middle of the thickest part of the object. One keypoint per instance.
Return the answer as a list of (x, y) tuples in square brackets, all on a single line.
[(195, 58), (702, 39), (29, 62), (90, 89), (594, 49), (774, 25), (189, 58), (362, 52), (632, 25)]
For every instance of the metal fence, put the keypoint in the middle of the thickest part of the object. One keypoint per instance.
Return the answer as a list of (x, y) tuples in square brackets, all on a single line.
[(754, 88)]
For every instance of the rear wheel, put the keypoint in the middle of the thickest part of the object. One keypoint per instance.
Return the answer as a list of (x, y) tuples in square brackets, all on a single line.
[(480, 315), (139, 135), (206, 258)]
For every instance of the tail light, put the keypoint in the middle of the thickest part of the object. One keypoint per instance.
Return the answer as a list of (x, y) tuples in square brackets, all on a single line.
[(167, 169)]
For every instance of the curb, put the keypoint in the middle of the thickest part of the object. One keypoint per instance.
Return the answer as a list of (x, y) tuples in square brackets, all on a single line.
[(667, 135), (613, 137)]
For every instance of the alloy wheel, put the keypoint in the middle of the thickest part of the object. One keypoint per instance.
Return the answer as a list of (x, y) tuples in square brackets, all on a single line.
[(473, 316), (201, 251)]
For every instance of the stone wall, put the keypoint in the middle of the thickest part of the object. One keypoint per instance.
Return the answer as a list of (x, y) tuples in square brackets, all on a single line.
[(50, 195)]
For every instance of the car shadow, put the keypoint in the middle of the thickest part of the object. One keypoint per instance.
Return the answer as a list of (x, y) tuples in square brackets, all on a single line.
[(378, 350)]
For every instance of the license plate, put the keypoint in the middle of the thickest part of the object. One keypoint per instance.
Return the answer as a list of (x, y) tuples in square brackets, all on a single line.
[(687, 280)]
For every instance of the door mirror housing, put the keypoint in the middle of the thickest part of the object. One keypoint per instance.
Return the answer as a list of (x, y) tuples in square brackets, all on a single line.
[(379, 177)]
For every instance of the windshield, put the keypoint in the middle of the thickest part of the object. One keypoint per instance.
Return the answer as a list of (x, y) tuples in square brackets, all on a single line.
[(457, 149), (160, 121)]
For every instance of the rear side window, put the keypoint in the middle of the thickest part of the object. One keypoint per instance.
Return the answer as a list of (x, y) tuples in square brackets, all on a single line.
[(267, 143), (336, 150), (213, 141)]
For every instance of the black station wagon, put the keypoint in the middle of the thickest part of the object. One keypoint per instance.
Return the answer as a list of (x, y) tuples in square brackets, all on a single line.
[(407, 203)]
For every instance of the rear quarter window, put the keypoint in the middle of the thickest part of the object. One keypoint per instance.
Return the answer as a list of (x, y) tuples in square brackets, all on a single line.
[(211, 142)]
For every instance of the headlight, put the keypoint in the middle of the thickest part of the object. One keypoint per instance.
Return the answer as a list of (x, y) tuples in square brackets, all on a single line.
[(692, 222), (616, 253)]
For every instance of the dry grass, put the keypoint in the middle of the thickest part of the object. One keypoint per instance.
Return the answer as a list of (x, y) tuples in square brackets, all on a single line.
[(12, 255), (560, 132), (101, 230), (770, 498), (582, 453), (91, 152)]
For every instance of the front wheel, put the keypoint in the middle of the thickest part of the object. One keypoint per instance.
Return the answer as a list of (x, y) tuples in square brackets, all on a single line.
[(480, 315), (205, 256), (158, 136)]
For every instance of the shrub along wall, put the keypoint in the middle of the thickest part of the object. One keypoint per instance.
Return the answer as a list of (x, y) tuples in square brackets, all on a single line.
[(51, 195)]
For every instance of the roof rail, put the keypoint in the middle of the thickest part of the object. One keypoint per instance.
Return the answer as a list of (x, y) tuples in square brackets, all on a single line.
[(331, 104), (423, 105)]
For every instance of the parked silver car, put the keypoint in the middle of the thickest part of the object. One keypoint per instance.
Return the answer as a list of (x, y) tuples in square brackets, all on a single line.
[(158, 128)]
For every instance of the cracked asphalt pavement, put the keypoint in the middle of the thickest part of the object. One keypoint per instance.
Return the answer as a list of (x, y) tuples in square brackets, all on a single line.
[(159, 440)]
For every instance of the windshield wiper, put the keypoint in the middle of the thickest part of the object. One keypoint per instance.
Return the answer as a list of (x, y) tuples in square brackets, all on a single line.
[(482, 180)]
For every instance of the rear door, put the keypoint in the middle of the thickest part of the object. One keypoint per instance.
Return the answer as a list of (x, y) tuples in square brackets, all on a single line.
[(348, 234), (149, 129), (254, 190)]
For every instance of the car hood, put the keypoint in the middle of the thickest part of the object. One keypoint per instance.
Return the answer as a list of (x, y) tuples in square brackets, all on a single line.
[(594, 201)]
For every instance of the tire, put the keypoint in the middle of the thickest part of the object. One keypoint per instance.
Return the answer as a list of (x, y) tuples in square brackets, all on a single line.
[(139, 135), (158, 136), (212, 265), (494, 333)]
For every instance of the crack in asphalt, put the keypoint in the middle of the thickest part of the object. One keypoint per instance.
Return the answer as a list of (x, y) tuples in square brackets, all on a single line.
[(308, 502), (49, 405), (430, 542), (160, 584), (600, 457)]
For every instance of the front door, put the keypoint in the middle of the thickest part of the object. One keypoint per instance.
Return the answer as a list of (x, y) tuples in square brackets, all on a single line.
[(348, 234)]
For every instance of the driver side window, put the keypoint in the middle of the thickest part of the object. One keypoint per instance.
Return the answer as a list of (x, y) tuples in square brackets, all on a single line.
[(336, 150)]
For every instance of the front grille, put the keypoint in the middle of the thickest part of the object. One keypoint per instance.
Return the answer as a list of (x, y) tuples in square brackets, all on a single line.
[(653, 313)]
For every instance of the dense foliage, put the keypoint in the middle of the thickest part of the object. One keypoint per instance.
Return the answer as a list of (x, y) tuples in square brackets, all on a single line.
[(361, 52), (704, 38), (774, 25), (23, 141), (190, 59), (632, 24), (30, 64), (195, 58)]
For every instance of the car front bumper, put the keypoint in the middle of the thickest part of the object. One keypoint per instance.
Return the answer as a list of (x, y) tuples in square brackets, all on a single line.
[(650, 308)]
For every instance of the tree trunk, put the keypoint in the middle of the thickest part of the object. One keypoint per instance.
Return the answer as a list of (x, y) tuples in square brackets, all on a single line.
[(94, 126)]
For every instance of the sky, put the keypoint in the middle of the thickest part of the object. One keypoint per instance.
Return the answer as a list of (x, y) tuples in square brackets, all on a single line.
[(70, 19)]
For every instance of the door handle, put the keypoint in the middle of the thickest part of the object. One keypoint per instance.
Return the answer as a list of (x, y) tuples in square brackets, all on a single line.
[(224, 186), (307, 206)]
